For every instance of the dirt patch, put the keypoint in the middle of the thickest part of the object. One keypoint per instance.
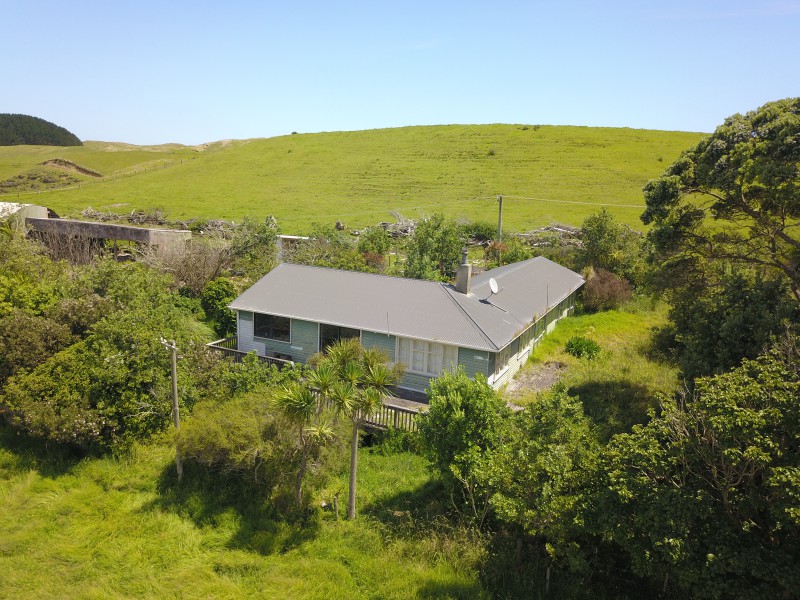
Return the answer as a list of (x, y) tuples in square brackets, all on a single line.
[(68, 165), (535, 378)]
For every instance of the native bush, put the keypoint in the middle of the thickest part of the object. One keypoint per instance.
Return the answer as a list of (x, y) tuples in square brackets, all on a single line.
[(460, 432), (706, 496), (216, 296)]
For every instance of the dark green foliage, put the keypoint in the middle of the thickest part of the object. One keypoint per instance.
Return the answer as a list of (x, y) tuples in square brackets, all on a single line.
[(17, 130), (480, 231), (459, 434), (715, 328), (434, 250), (543, 475), (27, 340), (582, 347), (253, 247), (605, 291), (216, 297), (733, 197), (328, 247), (612, 246), (512, 249), (708, 493)]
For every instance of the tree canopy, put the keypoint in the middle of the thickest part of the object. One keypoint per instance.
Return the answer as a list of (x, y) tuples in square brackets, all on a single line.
[(734, 197), (17, 130)]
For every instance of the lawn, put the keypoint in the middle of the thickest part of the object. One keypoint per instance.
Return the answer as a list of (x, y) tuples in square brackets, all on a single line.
[(546, 174)]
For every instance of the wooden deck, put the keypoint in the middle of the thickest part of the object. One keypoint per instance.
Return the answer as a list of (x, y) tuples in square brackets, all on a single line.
[(396, 412)]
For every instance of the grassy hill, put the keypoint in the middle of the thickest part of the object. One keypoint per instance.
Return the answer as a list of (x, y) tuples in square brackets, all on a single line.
[(546, 173)]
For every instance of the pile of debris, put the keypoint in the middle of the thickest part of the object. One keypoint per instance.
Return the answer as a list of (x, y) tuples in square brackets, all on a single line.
[(156, 217)]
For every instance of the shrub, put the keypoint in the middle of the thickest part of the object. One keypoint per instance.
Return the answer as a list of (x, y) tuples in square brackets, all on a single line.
[(582, 347), (605, 291), (216, 296)]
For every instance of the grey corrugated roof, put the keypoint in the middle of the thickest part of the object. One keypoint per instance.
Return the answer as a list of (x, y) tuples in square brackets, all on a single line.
[(414, 308)]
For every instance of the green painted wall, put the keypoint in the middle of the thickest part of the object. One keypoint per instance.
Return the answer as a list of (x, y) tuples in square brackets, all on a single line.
[(387, 343), (474, 361)]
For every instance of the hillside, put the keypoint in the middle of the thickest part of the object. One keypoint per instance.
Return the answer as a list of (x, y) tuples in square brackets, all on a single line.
[(17, 130), (546, 174)]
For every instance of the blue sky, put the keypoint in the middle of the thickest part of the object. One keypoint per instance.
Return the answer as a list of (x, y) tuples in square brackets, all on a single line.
[(155, 72)]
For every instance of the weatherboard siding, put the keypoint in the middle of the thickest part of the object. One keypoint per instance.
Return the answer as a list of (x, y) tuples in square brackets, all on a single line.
[(304, 336), (473, 361), (520, 354), (414, 381), (385, 342)]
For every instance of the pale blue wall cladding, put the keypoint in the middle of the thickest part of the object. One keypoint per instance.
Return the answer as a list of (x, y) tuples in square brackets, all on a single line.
[(387, 343), (304, 339), (474, 361), (414, 381), (521, 354)]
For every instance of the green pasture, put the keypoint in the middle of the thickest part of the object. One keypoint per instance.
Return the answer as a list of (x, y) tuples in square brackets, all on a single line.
[(546, 174)]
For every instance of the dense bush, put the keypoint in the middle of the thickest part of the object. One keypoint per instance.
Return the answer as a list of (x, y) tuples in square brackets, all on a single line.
[(464, 426), (582, 347), (609, 245), (23, 129), (706, 496), (605, 291), (215, 298)]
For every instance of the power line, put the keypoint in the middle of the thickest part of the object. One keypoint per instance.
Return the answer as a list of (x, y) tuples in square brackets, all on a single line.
[(575, 202)]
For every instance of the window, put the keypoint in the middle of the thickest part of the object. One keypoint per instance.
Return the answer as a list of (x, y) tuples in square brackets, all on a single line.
[(427, 358), (501, 360), (272, 327), (330, 334)]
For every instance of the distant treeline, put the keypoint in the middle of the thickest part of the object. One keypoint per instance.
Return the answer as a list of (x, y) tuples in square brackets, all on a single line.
[(16, 130)]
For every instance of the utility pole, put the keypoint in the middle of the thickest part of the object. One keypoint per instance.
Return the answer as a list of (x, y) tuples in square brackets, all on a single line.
[(176, 417), (500, 219)]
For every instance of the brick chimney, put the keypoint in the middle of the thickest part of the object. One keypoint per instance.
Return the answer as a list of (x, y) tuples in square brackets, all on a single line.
[(464, 273)]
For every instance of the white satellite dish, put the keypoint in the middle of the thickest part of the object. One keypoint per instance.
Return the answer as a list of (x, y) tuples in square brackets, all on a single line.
[(493, 285)]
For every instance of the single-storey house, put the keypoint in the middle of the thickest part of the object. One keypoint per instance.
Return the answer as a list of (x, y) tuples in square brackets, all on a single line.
[(487, 323)]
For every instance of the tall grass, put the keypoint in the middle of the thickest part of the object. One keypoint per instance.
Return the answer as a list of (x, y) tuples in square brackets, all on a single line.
[(104, 527), (619, 386)]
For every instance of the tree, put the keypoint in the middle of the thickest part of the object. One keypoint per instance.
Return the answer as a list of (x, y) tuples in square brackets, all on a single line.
[(612, 246), (216, 297), (544, 473), (715, 328), (434, 250), (733, 197), (355, 380), (460, 432), (27, 341), (707, 494), (301, 405), (328, 247)]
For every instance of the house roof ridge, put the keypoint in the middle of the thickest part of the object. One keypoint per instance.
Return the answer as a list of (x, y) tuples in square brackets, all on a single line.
[(363, 273), (449, 291)]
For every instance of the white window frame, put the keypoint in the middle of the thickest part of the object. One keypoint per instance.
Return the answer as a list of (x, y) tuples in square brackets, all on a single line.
[(427, 350)]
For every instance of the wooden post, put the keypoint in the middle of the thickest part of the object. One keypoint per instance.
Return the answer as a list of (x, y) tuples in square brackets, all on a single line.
[(176, 417)]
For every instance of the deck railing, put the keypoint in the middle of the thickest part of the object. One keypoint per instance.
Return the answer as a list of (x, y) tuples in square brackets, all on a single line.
[(391, 415), (388, 415), (227, 347)]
